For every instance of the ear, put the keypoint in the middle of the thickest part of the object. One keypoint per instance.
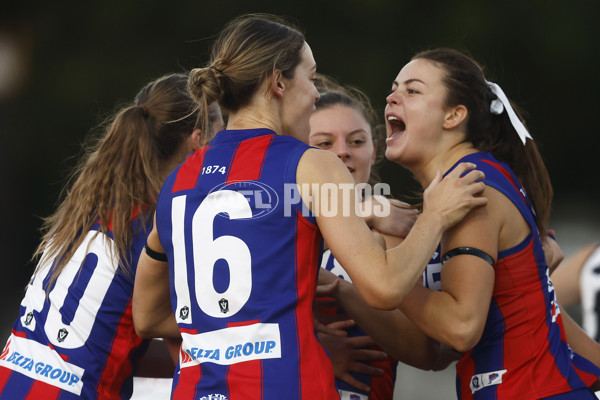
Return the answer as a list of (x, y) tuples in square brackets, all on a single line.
[(195, 139), (277, 83), (455, 116)]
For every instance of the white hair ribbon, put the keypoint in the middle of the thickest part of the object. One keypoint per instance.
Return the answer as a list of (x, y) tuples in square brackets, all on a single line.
[(500, 104)]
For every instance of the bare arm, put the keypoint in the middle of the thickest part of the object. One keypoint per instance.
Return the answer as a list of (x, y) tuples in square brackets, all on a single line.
[(456, 315), (393, 273), (566, 277), (579, 341), (386, 327), (152, 312)]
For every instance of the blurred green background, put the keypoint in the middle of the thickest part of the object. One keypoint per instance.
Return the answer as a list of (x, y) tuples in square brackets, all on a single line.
[(64, 65)]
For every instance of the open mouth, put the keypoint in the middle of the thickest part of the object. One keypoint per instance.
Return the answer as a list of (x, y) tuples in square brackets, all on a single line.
[(397, 126)]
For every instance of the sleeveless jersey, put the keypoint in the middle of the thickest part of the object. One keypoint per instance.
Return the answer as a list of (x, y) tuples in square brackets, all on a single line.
[(243, 261), (589, 284), (79, 341), (382, 387), (523, 353)]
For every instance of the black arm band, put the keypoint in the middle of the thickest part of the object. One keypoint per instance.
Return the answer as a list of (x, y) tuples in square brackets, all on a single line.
[(468, 250), (155, 255)]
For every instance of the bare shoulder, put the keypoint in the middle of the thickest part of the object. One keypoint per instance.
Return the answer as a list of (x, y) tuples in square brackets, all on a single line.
[(321, 166), (481, 227)]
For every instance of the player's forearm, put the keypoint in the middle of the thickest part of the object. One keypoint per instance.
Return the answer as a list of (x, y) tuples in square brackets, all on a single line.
[(406, 262), (385, 327), (579, 341), (441, 317)]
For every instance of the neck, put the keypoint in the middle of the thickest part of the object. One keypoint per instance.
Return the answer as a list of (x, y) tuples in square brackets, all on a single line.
[(441, 161), (253, 118), (263, 111)]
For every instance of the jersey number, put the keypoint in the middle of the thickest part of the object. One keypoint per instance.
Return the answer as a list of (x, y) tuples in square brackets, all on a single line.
[(207, 250), (69, 323)]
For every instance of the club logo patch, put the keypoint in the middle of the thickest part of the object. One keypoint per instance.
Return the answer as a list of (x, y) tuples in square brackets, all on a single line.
[(62, 335), (184, 312), (224, 305), (28, 318)]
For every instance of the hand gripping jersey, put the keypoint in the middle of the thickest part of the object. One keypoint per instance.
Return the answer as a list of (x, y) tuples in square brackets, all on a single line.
[(382, 387), (243, 262), (79, 341), (523, 353), (589, 283)]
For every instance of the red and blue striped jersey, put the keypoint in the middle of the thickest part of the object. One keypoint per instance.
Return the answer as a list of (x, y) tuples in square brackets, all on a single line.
[(243, 256), (523, 352), (78, 341)]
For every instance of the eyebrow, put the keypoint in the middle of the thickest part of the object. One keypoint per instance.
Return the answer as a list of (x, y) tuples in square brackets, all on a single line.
[(406, 82), (325, 133)]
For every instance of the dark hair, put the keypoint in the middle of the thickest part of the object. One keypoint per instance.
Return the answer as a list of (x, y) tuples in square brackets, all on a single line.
[(333, 93), (466, 85), (120, 172), (246, 52)]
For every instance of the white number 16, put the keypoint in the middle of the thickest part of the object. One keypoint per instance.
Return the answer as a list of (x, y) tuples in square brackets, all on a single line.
[(206, 252)]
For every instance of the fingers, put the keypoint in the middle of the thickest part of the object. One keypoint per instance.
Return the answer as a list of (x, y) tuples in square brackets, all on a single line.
[(472, 176), (326, 289), (327, 329), (352, 381), (369, 355), (460, 169), (362, 341), (366, 369), (341, 325)]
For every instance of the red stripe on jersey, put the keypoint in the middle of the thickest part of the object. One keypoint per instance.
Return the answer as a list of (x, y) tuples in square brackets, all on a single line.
[(4, 375), (247, 162), (188, 331), (118, 366), (467, 370), (244, 380), (186, 384), (188, 173), (529, 329), (586, 377), (19, 334), (507, 175), (42, 390), (316, 374)]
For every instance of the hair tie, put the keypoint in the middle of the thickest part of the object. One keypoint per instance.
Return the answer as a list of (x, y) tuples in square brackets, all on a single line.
[(497, 106), (145, 112), (216, 69)]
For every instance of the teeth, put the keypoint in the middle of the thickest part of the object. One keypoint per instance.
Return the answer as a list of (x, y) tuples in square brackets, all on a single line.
[(392, 118)]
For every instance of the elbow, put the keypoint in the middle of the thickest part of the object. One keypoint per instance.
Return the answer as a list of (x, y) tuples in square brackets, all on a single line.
[(382, 298), (142, 328), (143, 332), (142, 324), (464, 336)]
